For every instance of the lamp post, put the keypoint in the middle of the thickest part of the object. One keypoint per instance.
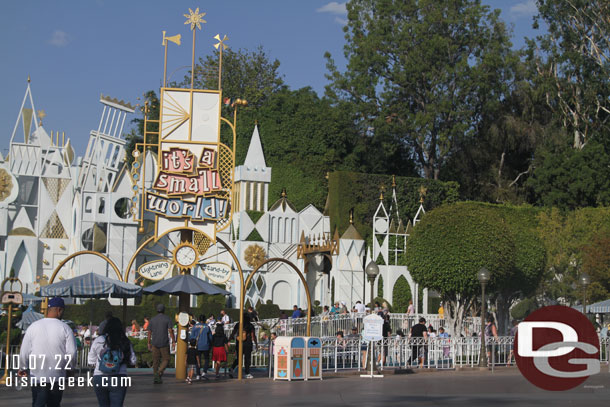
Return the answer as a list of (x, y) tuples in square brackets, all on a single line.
[(372, 271), (584, 281), (483, 277)]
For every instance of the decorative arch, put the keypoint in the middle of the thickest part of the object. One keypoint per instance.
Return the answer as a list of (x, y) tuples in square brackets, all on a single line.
[(282, 289), (22, 264), (401, 294)]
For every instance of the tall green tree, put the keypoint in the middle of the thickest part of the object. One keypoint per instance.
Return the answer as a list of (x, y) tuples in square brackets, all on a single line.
[(251, 75), (421, 72), (450, 245), (572, 64)]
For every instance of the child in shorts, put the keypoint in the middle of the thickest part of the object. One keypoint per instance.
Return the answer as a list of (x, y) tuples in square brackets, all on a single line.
[(220, 346), (192, 360)]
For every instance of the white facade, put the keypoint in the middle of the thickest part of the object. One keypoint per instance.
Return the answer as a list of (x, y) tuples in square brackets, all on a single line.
[(63, 205), (59, 205)]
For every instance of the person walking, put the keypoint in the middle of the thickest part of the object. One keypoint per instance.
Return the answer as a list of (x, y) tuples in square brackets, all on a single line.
[(110, 353), (193, 360), (220, 347), (247, 338), (202, 334), (159, 332), (50, 346)]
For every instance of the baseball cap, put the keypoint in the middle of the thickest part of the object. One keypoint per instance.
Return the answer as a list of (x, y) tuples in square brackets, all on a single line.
[(56, 302)]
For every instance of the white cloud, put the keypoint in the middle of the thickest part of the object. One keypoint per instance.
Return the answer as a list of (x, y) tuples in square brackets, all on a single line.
[(524, 9), (59, 38), (342, 21), (333, 8)]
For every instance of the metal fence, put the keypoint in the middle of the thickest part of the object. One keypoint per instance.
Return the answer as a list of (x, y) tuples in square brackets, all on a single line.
[(395, 352), (329, 325), (403, 353)]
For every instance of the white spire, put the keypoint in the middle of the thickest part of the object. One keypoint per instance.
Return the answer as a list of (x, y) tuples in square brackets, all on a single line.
[(255, 157)]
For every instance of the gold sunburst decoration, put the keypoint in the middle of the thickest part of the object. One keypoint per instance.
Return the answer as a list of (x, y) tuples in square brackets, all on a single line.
[(254, 255), (6, 184), (194, 19)]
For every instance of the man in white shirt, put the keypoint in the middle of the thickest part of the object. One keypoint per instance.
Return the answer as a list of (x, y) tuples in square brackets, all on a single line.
[(48, 349), (225, 318), (360, 308)]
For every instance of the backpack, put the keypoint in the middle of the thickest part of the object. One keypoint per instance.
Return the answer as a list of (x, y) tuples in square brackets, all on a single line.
[(110, 361)]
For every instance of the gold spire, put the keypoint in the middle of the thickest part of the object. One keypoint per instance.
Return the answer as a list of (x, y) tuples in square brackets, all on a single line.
[(220, 46), (422, 193), (194, 19), (29, 79), (41, 115), (351, 216), (284, 194), (393, 181)]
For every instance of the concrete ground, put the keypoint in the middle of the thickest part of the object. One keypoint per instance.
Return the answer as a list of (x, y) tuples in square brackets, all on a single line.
[(464, 388)]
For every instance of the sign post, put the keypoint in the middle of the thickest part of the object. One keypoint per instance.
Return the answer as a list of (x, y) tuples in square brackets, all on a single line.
[(373, 332)]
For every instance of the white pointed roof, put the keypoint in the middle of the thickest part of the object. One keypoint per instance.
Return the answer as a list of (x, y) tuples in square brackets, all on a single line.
[(41, 138), (255, 157)]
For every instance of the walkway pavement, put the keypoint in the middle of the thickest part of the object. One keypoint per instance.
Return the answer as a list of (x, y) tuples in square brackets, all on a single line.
[(447, 388)]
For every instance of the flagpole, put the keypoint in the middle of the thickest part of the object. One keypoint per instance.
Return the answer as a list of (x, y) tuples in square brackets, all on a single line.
[(164, 60)]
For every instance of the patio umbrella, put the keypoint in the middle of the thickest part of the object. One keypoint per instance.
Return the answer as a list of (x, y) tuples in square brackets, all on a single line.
[(30, 299), (601, 307), (92, 285), (184, 284), (28, 317)]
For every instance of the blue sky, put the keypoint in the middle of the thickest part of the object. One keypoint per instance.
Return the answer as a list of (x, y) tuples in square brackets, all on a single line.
[(75, 50)]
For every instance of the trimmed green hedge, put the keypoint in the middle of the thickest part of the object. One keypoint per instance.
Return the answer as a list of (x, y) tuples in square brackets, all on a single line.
[(347, 190)]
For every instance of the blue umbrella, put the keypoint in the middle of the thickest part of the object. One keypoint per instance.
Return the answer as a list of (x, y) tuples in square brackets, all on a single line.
[(30, 299), (28, 317), (91, 285), (186, 284)]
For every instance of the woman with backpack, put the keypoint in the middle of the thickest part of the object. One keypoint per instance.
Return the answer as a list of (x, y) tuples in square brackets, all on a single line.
[(110, 353)]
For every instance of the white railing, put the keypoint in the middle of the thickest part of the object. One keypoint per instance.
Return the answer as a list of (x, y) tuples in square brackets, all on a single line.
[(329, 325), (351, 353)]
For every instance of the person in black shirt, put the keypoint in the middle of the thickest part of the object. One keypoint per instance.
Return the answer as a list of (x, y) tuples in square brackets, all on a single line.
[(418, 349), (192, 360), (247, 338)]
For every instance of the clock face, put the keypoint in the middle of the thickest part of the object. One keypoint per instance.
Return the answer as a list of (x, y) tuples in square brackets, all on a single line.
[(186, 256)]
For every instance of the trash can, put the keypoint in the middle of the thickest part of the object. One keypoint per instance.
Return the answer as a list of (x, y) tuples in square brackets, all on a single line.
[(289, 358), (314, 358)]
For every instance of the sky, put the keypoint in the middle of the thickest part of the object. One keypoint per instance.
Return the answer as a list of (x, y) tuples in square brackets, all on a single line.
[(75, 50)]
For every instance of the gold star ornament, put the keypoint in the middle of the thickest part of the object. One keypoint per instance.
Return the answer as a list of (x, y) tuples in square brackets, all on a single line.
[(194, 19), (254, 255)]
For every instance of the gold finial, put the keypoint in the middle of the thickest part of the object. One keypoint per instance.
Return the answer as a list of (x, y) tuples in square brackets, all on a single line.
[(256, 122), (381, 191), (393, 181), (194, 19), (221, 43), (284, 194), (220, 46), (41, 115), (29, 79), (351, 216), (422, 193)]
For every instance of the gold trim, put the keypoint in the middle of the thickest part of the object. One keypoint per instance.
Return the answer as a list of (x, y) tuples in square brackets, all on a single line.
[(83, 252)]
